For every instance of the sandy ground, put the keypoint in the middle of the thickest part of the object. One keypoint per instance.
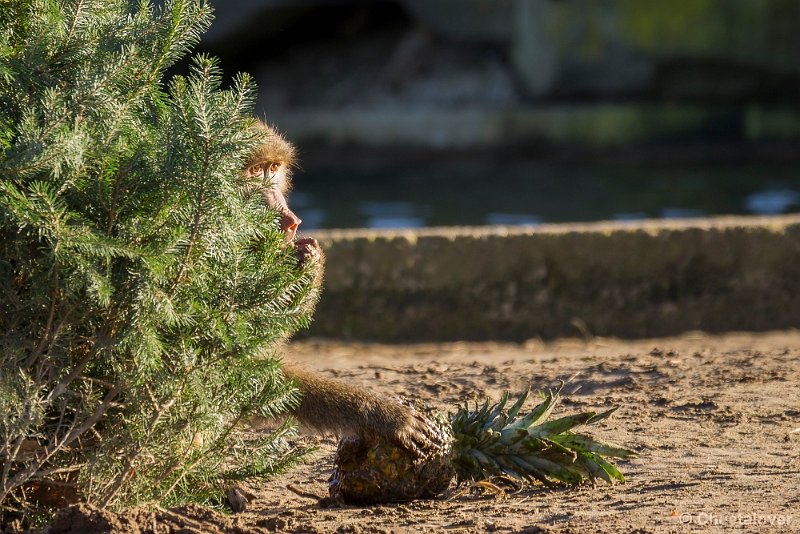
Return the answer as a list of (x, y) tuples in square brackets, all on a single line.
[(715, 419)]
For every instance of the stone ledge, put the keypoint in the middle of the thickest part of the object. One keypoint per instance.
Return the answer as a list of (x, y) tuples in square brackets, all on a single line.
[(651, 278)]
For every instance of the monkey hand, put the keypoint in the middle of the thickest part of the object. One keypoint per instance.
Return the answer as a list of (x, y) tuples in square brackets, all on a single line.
[(307, 249), (408, 427)]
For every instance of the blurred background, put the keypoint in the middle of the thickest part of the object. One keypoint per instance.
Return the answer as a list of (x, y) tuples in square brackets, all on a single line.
[(415, 113)]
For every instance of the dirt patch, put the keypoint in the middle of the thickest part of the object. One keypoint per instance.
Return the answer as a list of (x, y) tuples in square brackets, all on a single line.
[(83, 519), (716, 420)]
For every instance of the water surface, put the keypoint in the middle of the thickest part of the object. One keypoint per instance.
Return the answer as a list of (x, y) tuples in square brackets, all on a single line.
[(529, 193)]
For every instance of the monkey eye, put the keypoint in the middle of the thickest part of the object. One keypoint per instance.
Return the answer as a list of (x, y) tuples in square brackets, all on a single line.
[(274, 167), (256, 169)]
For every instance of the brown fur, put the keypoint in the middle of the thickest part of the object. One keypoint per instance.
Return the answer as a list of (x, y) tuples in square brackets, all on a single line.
[(276, 149), (335, 406)]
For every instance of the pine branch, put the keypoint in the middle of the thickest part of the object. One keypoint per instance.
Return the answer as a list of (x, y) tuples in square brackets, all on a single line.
[(131, 456), (136, 295), (47, 452), (71, 31), (192, 240)]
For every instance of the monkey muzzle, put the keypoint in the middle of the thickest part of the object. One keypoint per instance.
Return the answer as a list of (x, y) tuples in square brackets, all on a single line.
[(289, 224), (306, 248)]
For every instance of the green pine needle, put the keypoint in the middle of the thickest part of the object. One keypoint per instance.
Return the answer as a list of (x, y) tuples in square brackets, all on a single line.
[(144, 287)]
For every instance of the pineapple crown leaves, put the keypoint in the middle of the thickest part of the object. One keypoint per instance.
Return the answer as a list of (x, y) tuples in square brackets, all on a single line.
[(491, 441)]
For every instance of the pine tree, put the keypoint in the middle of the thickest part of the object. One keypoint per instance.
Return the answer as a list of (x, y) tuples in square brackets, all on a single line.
[(143, 283)]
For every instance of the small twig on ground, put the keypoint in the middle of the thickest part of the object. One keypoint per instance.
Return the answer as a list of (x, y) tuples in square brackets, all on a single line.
[(301, 493)]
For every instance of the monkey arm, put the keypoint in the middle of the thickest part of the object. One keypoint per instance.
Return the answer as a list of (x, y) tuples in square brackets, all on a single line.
[(334, 406)]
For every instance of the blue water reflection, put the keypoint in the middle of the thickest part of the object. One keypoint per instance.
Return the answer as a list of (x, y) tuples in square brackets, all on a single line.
[(513, 219), (393, 214), (632, 216), (680, 213), (773, 201)]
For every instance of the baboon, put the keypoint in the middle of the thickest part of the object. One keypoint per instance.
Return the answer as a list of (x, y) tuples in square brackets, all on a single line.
[(326, 404)]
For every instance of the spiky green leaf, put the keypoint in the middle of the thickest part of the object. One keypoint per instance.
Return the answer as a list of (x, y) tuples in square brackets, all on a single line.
[(530, 447)]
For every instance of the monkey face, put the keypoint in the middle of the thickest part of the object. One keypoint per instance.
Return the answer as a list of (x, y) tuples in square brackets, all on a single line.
[(273, 177), (269, 168)]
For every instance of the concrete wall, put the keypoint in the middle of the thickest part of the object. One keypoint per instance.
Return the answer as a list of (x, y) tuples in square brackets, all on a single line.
[(611, 279)]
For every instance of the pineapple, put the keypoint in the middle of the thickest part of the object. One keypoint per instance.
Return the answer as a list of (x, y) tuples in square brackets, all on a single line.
[(478, 445)]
